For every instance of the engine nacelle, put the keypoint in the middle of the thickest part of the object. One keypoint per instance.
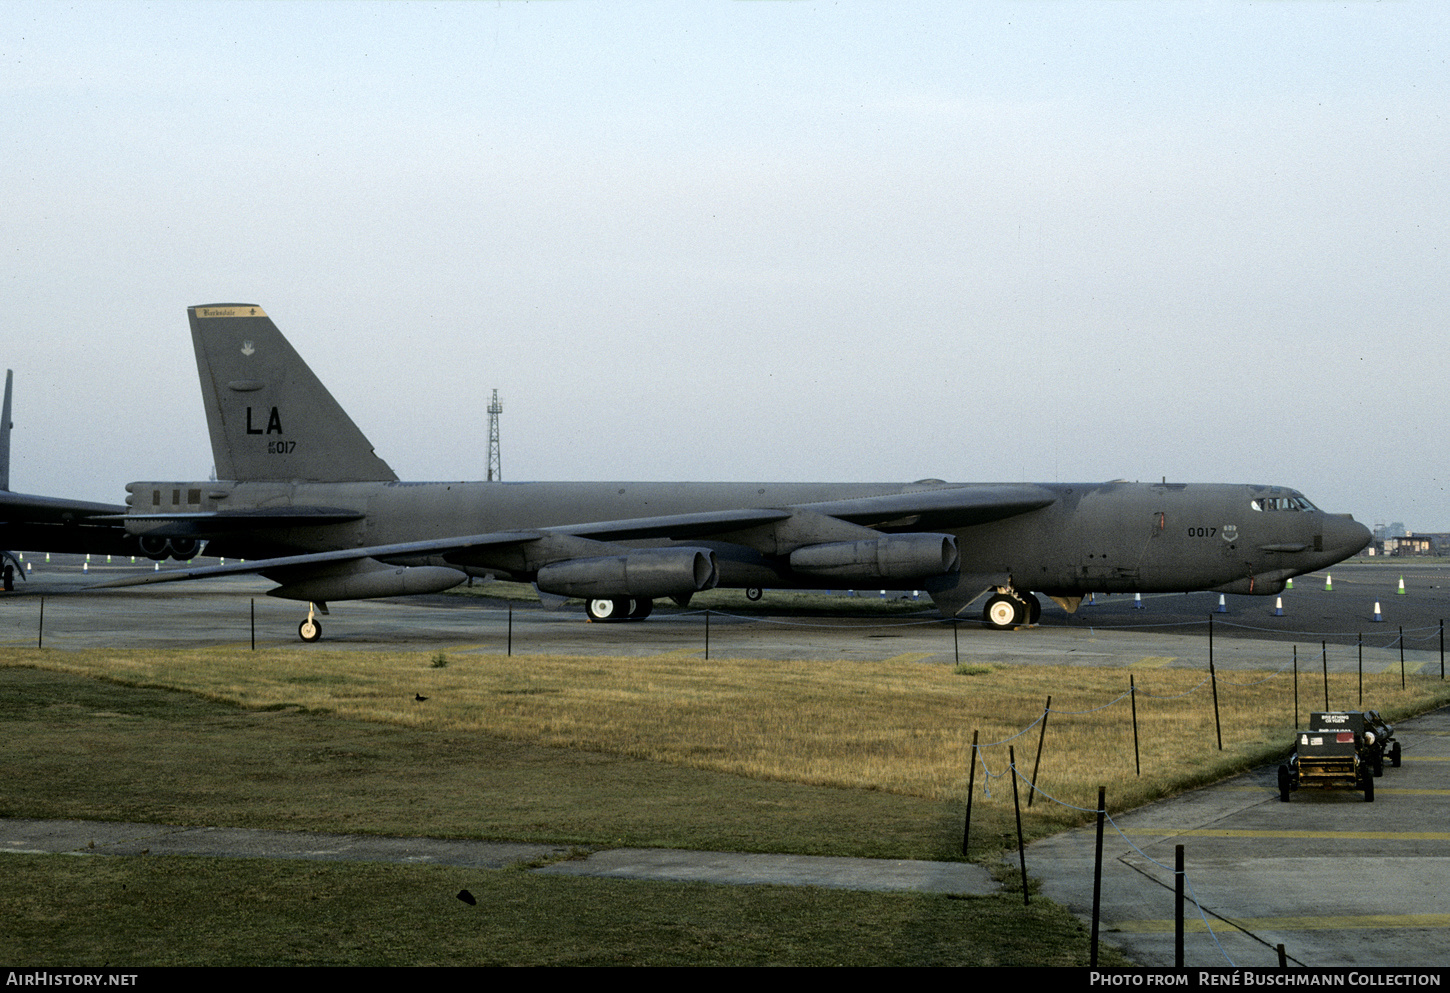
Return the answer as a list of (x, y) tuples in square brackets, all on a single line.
[(184, 549), (370, 578), (645, 573), (892, 556), (154, 546)]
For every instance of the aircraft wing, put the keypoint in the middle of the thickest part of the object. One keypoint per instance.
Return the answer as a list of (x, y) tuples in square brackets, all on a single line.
[(918, 510), (212, 523), (406, 549), (54, 524), (951, 506)]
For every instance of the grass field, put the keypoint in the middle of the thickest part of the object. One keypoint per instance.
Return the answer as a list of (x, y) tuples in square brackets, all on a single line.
[(821, 758)]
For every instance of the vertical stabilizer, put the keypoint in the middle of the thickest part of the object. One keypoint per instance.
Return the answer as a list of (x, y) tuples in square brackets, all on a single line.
[(5, 427), (270, 417)]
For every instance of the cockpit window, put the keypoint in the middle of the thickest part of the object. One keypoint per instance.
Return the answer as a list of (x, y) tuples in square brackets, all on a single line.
[(1292, 502)]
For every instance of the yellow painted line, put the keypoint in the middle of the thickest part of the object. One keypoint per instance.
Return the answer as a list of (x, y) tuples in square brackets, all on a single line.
[(1153, 662), (913, 656), (1386, 790), (1194, 925), (1228, 833), (1426, 758)]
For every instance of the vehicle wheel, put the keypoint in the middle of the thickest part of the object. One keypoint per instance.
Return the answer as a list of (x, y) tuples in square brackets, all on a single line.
[(1284, 785), (642, 609), (1395, 755), (754, 593), (608, 610), (1003, 611), (1034, 607), (1379, 765), (309, 630), (1369, 789)]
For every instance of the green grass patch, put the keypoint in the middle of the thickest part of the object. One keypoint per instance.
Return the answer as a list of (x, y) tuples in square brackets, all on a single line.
[(826, 758), (145, 911)]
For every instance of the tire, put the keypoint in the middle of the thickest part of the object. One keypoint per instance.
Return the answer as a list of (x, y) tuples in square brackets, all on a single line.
[(754, 593), (642, 609), (309, 631), (1369, 789), (1395, 755), (1034, 607), (1284, 785), (608, 610), (1003, 612)]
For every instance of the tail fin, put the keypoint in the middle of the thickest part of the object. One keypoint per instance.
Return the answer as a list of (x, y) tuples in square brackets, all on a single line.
[(5, 427), (269, 415)]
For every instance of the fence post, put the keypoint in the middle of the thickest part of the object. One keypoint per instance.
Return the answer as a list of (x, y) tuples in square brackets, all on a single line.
[(1213, 682), (1037, 763), (1178, 906), (971, 789), (1133, 700), (1098, 871), (1017, 806)]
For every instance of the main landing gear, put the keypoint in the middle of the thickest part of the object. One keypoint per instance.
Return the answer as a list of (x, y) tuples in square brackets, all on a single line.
[(618, 609), (1008, 608)]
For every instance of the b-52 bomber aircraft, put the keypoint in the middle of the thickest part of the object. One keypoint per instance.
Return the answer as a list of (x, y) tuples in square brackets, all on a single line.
[(304, 499)]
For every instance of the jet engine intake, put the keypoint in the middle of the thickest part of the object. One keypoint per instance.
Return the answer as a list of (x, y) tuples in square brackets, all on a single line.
[(184, 549), (892, 556), (154, 546), (642, 574)]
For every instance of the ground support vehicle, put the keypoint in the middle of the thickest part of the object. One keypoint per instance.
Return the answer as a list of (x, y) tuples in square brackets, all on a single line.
[(1335, 753), (1384, 746)]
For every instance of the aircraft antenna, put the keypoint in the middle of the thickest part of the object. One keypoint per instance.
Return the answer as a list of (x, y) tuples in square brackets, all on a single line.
[(495, 470)]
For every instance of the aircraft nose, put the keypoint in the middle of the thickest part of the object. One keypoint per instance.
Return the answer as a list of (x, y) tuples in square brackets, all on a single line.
[(1344, 536)]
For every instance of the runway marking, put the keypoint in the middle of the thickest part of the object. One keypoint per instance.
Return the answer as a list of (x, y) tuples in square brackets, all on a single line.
[(912, 657), (1338, 835), (1426, 758), (1349, 921), (1153, 662), (1395, 790)]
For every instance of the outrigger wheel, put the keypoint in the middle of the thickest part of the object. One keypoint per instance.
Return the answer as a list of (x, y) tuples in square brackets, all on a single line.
[(309, 630)]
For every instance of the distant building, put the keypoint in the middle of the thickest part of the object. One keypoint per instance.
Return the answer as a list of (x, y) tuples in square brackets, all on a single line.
[(1411, 544)]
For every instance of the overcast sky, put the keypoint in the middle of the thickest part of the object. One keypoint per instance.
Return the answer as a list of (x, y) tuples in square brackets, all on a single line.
[(747, 241)]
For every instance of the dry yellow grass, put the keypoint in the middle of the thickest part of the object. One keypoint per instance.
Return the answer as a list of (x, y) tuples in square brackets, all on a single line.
[(900, 727)]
